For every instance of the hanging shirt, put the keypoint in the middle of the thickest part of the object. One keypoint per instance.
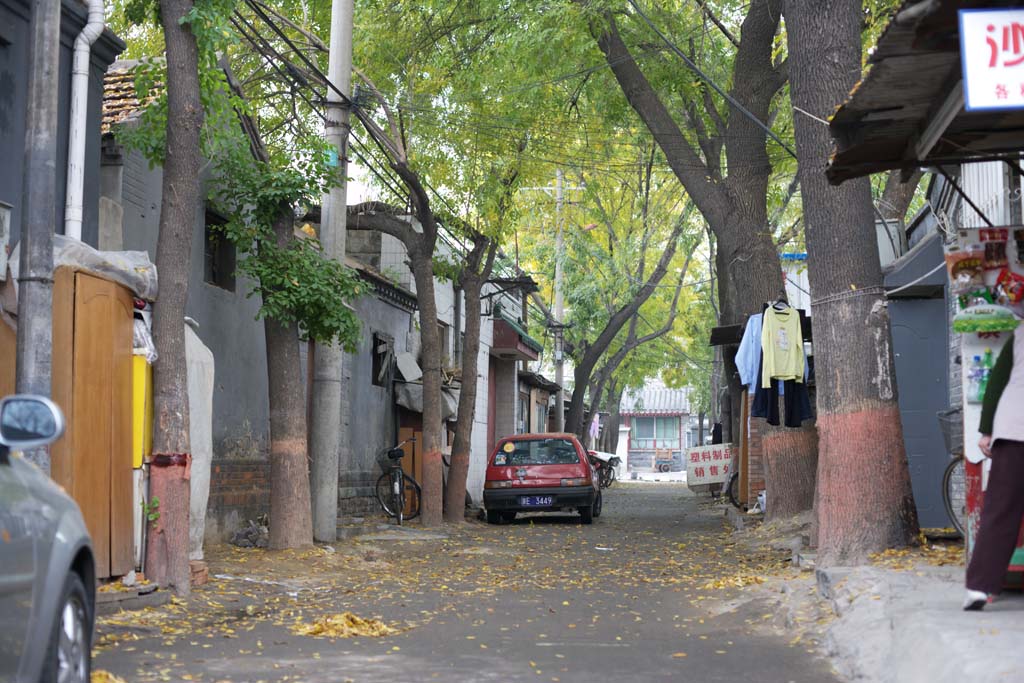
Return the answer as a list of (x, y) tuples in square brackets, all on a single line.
[(748, 355), (782, 346)]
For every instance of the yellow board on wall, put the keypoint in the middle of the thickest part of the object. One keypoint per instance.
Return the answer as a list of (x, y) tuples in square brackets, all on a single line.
[(142, 410)]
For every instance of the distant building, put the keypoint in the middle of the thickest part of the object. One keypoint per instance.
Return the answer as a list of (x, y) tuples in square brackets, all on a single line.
[(661, 426)]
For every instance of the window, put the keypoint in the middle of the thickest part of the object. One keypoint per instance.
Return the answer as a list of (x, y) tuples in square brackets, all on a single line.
[(643, 433), (523, 414), (668, 432), (650, 433), (537, 452), (442, 336), (383, 359), (542, 418), (219, 257)]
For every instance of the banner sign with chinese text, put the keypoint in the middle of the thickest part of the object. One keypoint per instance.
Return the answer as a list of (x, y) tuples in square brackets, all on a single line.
[(992, 58), (708, 464)]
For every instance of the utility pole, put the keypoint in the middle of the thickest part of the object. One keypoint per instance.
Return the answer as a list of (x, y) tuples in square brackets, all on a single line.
[(559, 307), (557, 325), (38, 211), (326, 413)]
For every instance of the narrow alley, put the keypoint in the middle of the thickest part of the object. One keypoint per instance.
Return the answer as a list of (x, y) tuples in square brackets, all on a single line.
[(541, 599)]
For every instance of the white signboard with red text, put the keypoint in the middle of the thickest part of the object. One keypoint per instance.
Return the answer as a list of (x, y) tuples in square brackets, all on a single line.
[(708, 464), (992, 58)]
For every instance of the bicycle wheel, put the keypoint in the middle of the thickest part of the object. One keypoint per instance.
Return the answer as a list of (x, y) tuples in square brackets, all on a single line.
[(733, 489), (398, 494), (954, 494), (412, 497), (383, 493)]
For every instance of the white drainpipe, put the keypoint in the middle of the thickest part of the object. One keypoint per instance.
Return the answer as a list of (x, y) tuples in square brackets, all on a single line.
[(79, 119)]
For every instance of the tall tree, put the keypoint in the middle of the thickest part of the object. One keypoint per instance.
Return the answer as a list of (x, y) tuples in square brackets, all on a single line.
[(474, 273), (721, 159), (257, 186), (167, 546), (858, 417), (496, 199), (420, 243)]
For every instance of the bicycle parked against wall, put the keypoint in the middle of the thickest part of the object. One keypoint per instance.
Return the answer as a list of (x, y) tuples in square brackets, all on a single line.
[(954, 481), (397, 492)]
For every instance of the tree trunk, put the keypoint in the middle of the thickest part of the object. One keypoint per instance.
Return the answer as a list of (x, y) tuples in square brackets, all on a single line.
[(610, 437), (700, 427), (471, 283), (291, 514), (735, 207), (180, 207), (896, 196), (790, 464), (864, 501), (430, 359)]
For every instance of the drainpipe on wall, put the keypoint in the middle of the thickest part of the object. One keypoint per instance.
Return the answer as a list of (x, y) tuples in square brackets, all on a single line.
[(79, 118)]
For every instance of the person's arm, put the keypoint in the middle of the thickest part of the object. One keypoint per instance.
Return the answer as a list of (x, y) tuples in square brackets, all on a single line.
[(998, 378)]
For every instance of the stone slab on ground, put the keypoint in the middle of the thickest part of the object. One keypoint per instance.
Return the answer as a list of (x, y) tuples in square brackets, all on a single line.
[(908, 626), (112, 602)]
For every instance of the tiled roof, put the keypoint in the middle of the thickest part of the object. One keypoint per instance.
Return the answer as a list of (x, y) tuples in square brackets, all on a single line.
[(655, 398), (119, 100)]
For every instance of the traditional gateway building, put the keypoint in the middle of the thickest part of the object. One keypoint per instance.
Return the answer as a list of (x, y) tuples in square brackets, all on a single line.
[(661, 426)]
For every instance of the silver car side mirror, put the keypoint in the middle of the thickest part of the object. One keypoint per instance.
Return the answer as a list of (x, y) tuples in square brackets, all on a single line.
[(28, 421)]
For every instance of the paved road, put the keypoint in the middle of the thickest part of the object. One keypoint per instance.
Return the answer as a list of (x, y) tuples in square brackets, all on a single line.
[(542, 599)]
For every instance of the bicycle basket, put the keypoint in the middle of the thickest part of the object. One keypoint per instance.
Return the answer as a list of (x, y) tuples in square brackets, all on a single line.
[(389, 457), (951, 424)]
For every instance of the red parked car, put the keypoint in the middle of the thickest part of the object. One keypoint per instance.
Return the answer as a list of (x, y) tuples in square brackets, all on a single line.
[(540, 473)]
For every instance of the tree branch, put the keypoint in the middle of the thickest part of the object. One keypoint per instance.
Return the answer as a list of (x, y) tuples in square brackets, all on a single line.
[(687, 165), (718, 22), (380, 217)]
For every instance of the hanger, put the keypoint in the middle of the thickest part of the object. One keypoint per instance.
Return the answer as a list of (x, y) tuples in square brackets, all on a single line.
[(780, 304)]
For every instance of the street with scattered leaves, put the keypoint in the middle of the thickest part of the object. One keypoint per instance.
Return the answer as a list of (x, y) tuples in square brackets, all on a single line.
[(638, 595)]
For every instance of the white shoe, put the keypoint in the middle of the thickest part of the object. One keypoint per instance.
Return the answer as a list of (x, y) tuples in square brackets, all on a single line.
[(975, 601)]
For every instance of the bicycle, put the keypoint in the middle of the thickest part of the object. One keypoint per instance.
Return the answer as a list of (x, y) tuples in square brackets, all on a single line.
[(396, 490), (733, 489), (954, 494), (954, 480)]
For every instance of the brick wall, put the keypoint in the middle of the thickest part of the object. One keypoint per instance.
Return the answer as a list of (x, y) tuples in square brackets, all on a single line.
[(239, 491), (755, 455)]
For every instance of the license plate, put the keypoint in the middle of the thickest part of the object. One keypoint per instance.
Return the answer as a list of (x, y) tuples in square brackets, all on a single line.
[(536, 501)]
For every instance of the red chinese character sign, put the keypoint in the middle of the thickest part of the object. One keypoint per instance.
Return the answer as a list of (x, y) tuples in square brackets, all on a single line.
[(708, 464), (992, 58)]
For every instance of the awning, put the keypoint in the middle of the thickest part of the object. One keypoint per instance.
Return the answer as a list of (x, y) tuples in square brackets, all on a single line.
[(539, 381), (511, 341), (908, 111), (410, 395)]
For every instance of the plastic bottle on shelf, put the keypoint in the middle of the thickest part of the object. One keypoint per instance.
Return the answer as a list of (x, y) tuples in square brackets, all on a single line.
[(974, 379), (986, 370)]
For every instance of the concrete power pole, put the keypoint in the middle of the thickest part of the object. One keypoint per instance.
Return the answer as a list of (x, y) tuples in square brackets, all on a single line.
[(326, 413), (559, 307), (38, 214)]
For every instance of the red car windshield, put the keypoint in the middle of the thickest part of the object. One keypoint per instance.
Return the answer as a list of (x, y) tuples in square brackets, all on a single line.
[(537, 452)]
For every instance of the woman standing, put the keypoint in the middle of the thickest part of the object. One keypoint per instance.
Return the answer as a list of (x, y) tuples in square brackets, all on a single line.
[(1002, 429)]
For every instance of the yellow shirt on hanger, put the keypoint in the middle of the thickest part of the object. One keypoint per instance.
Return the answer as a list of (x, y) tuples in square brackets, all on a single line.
[(782, 346)]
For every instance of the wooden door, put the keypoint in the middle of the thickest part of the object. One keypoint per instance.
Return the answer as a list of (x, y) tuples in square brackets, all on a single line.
[(101, 462), (412, 463)]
